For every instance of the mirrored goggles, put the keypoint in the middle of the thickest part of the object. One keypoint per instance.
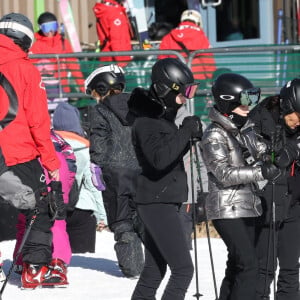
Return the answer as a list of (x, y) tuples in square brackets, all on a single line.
[(49, 26), (250, 97), (190, 91)]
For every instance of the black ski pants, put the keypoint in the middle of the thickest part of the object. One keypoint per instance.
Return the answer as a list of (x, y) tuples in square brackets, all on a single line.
[(81, 228), (242, 265), (287, 252), (37, 248), (121, 216), (165, 245), (118, 195)]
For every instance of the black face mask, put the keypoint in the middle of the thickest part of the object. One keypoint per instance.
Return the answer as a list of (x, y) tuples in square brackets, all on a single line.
[(171, 107), (170, 101), (238, 120)]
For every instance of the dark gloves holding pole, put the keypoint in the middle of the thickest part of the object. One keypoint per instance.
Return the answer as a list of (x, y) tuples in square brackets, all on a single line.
[(285, 156), (57, 206), (193, 123), (270, 171), (284, 150)]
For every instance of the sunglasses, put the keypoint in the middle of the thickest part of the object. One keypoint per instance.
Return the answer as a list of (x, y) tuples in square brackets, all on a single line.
[(49, 26), (190, 91), (250, 97)]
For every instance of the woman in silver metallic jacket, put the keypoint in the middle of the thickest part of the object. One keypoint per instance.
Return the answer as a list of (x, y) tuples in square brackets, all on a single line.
[(234, 159)]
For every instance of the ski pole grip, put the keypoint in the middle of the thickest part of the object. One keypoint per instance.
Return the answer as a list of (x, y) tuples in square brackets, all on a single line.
[(272, 147)]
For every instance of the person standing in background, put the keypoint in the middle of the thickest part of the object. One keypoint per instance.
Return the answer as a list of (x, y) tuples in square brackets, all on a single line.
[(61, 249), (89, 211), (48, 40), (112, 150), (187, 37), (113, 29)]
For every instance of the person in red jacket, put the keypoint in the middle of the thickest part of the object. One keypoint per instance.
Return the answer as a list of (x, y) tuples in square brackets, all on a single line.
[(113, 29), (189, 36), (49, 41), (26, 144)]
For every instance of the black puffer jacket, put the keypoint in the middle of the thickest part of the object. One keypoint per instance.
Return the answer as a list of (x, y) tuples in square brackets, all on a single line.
[(160, 147), (110, 134), (266, 117)]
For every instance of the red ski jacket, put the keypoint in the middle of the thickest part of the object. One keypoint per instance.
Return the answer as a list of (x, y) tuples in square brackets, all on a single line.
[(193, 38), (24, 105), (55, 45), (113, 29)]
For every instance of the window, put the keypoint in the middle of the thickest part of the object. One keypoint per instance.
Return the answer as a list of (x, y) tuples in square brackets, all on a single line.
[(237, 20)]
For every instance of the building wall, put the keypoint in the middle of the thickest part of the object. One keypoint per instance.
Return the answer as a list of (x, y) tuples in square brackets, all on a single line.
[(82, 11)]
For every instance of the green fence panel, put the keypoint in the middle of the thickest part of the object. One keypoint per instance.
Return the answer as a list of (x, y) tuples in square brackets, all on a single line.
[(268, 67)]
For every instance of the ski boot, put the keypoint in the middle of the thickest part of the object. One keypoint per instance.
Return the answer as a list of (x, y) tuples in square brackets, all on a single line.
[(34, 276), (60, 266)]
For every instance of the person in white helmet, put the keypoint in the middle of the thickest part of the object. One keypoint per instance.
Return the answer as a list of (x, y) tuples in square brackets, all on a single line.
[(111, 148), (187, 37)]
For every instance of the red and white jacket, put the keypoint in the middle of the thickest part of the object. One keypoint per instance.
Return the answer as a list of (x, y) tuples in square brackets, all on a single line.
[(27, 136), (193, 38), (113, 29), (55, 45)]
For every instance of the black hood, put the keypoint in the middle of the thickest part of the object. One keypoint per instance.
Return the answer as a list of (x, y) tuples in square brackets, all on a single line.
[(141, 104), (118, 105)]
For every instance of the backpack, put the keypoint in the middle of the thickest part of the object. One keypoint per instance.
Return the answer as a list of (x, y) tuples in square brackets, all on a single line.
[(65, 148)]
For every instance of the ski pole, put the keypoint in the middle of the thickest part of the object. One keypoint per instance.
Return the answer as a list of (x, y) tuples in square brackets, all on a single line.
[(271, 239), (273, 139), (265, 293), (207, 228), (197, 295), (274, 239), (33, 218)]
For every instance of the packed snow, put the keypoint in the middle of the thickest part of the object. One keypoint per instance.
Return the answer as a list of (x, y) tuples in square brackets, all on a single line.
[(97, 276)]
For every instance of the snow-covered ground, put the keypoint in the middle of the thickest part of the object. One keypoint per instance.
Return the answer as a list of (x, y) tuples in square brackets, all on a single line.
[(97, 276)]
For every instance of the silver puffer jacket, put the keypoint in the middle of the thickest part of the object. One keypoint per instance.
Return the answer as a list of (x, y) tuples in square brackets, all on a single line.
[(232, 181)]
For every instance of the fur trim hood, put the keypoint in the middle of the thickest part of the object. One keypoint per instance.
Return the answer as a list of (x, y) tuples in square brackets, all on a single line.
[(142, 104)]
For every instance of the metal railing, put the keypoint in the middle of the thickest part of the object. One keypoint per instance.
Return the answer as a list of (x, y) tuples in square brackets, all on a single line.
[(268, 67)]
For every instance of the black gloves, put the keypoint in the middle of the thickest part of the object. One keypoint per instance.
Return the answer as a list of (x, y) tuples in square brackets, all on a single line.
[(193, 123), (57, 206), (286, 150), (270, 171), (287, 155), (42, 202)]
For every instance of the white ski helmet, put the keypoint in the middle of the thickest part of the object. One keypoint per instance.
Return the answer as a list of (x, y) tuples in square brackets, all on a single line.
[(192, 15), (105, 78)]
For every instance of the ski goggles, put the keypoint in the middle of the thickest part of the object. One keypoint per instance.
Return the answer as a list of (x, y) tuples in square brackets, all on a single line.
[(49, 26), (250, 97), (190, 91)]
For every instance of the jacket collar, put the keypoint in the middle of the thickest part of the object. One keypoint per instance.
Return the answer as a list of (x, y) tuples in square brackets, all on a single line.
[(227, 124), (141, 104), (217, 117)]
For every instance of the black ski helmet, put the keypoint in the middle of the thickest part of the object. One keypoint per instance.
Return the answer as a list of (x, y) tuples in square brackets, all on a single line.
[(227, 90), (170, 74), (104, 79), (19, 28), (46, 17), (290, 97)]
